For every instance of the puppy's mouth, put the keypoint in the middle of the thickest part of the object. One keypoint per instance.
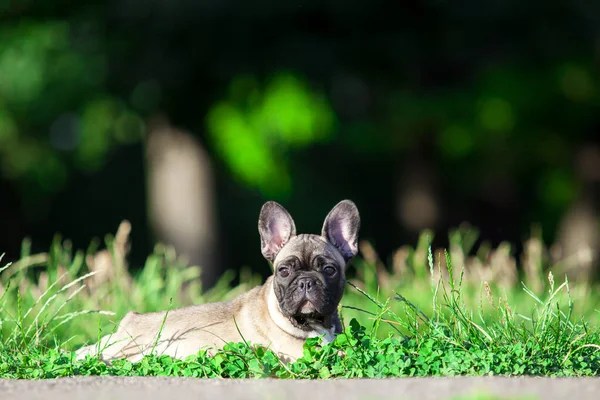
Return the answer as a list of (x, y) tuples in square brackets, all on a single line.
[(306, 320), (307, 315)]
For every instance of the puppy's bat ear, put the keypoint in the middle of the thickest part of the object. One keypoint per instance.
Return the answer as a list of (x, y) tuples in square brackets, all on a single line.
[(341, 228), (276, 228)]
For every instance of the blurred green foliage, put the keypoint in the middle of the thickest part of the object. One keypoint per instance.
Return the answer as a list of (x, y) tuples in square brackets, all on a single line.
[(253, 129), (496, 99), (55, 113), (510, 121), (46, 83), (54, 102)]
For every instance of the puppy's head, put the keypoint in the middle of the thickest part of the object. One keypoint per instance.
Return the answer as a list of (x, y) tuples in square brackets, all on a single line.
[(309, 270)]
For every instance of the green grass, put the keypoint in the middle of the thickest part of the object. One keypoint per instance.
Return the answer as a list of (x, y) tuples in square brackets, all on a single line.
[(428, 314)]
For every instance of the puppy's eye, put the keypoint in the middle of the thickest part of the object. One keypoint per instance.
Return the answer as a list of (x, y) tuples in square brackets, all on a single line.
[(284, 272), (329, 270)]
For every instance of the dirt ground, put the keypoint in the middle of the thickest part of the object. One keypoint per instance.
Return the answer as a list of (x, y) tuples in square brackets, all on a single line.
[(151, 388)]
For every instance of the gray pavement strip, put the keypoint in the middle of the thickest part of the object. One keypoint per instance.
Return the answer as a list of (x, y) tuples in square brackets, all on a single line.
[(150, 388)]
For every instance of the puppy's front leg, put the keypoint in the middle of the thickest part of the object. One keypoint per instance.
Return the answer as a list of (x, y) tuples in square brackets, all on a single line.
[(124, 343)]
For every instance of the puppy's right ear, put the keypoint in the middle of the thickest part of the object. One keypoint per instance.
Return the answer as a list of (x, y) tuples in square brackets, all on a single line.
[(276, 228)]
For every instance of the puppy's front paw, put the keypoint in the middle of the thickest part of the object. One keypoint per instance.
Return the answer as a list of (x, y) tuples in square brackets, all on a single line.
[(83, 352)]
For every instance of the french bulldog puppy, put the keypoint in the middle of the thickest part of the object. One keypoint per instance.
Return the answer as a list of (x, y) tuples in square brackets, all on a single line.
[(297, 302)]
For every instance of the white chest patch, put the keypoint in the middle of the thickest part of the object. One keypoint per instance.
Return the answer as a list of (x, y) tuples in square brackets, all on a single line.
[(329, 335)]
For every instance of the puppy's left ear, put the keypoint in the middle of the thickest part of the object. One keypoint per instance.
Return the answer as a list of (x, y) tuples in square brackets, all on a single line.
[(341, 228)]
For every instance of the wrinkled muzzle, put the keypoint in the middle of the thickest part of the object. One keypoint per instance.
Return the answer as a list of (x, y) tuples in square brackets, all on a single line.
[(306, 302)]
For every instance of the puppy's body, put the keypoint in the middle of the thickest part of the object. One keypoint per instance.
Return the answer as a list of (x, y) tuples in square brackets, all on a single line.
[(298, 302), (187, 330)]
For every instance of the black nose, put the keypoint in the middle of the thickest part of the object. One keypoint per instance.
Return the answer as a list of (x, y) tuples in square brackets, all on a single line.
[(306, 284)]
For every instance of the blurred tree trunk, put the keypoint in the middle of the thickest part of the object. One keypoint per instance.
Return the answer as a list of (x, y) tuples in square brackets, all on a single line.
[(417, 190), (577, 248), (181, 196)]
